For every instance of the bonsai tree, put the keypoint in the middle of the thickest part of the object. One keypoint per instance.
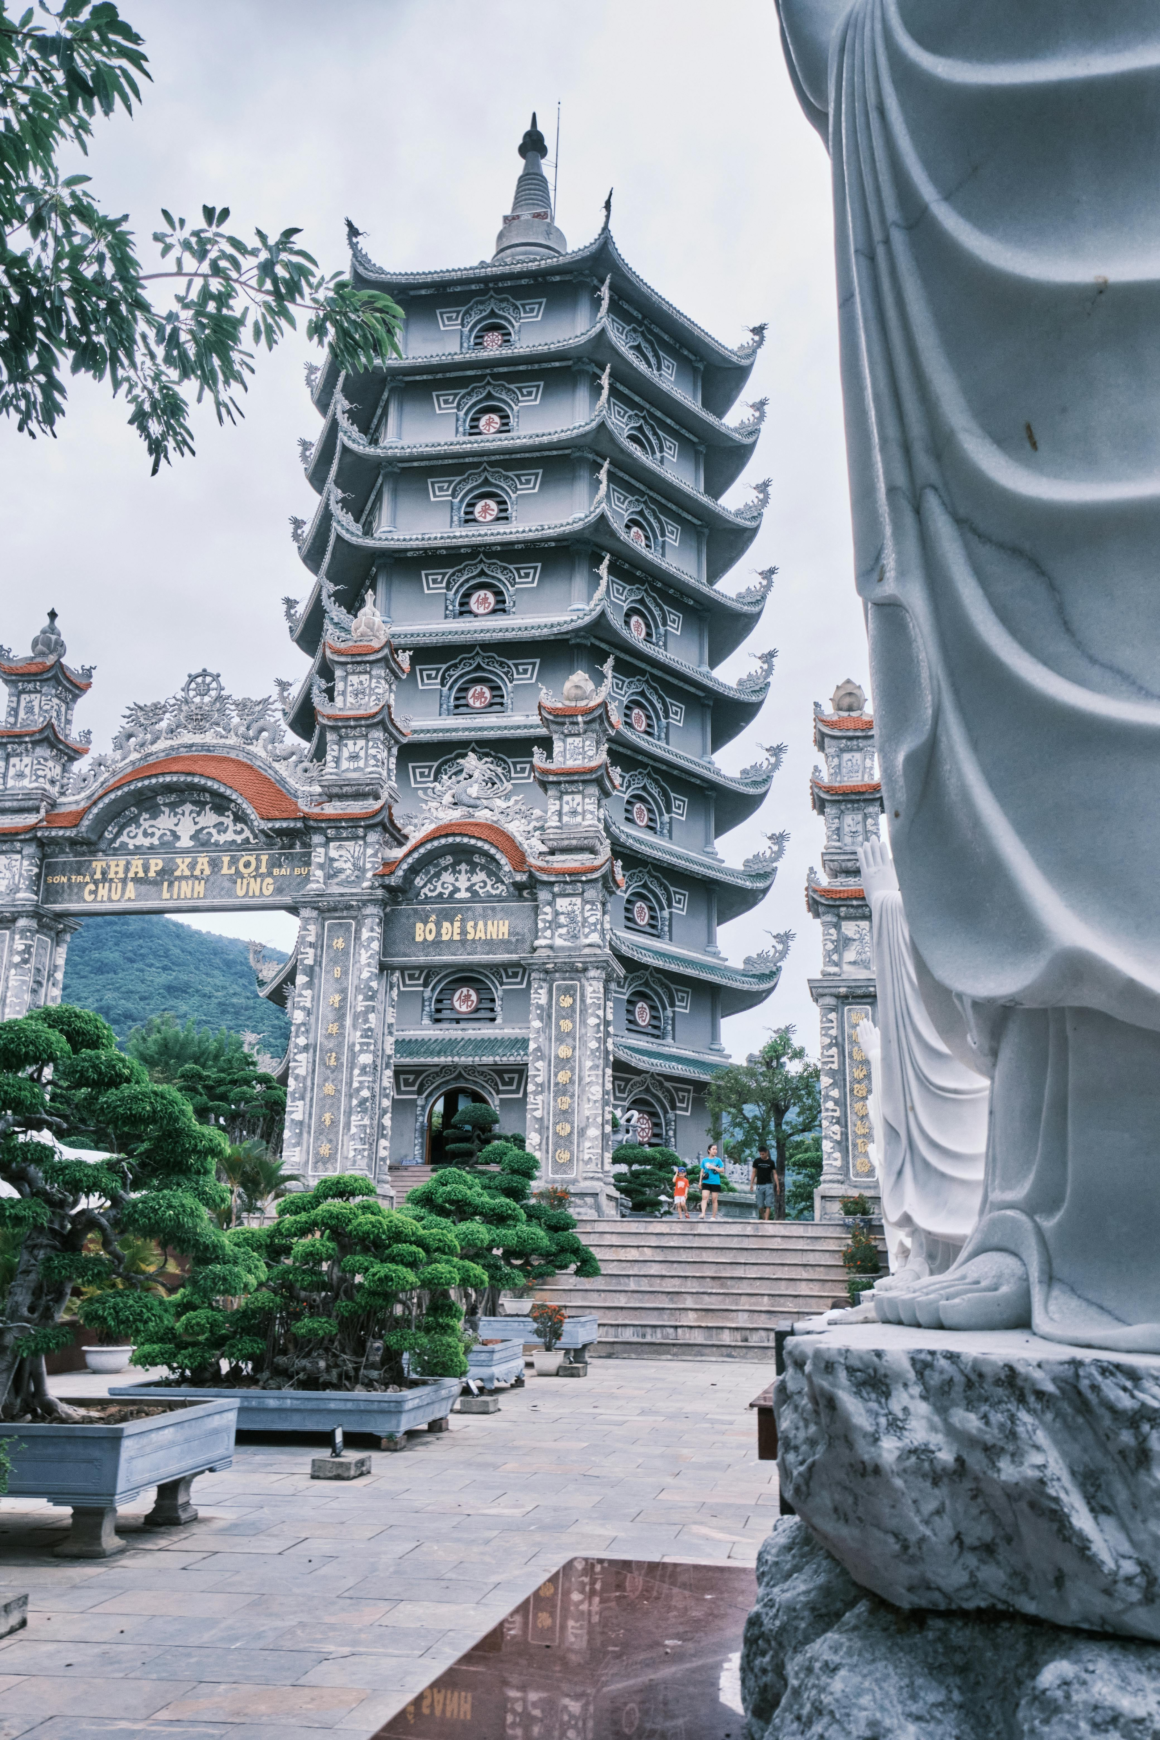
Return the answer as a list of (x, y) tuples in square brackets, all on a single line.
[(645, 1176), (515, 1238), (78, 1221), (217, 1075), (353, 1294), (466, 1135)]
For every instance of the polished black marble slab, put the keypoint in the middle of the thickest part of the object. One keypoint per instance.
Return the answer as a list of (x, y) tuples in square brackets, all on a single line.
[(605, 1649)]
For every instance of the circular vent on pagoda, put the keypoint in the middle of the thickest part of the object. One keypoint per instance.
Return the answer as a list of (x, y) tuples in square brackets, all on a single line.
[(492, 335), (490, 420), (641, 813), (640, 719), (458, 1001), (641, 914), (478, 693), (477, 600), (643, 1013), (487, 507), (639, 532)]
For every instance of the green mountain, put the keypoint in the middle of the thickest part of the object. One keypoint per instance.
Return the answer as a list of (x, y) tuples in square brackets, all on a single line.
[(128, 968)]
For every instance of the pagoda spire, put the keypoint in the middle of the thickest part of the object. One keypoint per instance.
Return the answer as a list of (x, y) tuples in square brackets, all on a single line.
[(528, 231)]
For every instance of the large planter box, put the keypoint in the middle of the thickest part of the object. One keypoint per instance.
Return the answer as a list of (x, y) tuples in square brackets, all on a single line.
[(95, 1468), (736, 1205), (501, 1364), (578, 1331), (379, 1413)]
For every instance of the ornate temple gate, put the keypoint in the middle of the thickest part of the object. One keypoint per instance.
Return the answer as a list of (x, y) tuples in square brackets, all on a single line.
[(205, 806)]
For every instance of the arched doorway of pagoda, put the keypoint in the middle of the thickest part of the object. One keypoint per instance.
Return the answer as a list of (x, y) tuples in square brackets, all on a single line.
[(439, 1115), (643, 1121)]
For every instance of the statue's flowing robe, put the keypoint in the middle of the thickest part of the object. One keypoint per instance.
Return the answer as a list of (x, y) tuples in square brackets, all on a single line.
[(930, 1110), (996, 169)]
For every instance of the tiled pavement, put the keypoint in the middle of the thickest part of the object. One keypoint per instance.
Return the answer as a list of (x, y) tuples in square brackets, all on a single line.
[(294, 1607)]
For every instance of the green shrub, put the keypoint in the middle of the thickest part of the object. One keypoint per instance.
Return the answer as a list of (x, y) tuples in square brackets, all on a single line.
[(646, 1176), (344, 1290), (73, 1224), (515, 1238)]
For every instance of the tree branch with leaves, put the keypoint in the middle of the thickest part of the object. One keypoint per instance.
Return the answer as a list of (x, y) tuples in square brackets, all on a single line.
[(74, 295)]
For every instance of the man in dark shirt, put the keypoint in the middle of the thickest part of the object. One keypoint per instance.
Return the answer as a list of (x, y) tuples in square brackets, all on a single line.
[(761, 1180)]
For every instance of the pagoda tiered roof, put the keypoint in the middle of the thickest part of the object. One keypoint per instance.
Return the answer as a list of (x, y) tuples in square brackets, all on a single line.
[(355, 411), (661, 1059), (738, 890), (742, 987), (356, 469), (725, 369)]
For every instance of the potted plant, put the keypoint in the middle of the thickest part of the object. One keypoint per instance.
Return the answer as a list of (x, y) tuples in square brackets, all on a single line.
[(861, 1256), (96, 1157), (549, 1321), (99, 1160), (352, 1322)]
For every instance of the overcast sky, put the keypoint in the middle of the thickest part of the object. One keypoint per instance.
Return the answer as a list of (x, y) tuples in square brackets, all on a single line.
[(405, 115)]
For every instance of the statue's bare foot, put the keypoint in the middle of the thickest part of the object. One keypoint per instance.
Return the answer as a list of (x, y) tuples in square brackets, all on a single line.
[(915, 1270), (990, 1291)]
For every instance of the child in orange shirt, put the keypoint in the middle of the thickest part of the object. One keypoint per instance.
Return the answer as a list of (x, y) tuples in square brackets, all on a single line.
[(681, 1193)]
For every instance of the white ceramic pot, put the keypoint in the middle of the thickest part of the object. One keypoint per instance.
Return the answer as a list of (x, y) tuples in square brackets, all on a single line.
[(107, 1359), (548, 1364)]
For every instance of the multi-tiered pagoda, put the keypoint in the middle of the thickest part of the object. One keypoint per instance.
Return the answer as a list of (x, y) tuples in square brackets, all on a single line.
[(533, 489)]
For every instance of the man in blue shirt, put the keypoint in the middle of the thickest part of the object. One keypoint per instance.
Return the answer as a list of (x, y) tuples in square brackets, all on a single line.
[(710, 1180)]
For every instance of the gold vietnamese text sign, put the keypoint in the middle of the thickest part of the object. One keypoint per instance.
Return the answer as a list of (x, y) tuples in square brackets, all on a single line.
[(168, 879), (413, 932), (562, 1074)]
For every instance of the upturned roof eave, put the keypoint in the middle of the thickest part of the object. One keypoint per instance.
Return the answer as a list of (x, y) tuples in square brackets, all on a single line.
[(598, 433), (686, 964), (600, 252), (597, 344), (683, 1065), (317, 551)]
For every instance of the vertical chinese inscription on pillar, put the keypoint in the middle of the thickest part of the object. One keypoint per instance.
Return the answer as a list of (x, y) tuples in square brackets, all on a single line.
[(333, 1049), (562, 1103), (858, 1094)]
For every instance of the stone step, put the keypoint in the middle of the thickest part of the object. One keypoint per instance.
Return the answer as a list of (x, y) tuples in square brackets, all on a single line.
[(708, 1289), (602, 1301)]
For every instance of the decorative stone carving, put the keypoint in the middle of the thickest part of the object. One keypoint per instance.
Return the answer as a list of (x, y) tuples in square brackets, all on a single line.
[(480, 789), (200, 712), (368, 625), (979, 1471), (1005, 535), (169, 822), (822, 1660)]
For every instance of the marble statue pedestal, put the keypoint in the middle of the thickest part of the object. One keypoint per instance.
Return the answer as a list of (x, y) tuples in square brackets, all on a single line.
[(956, 1471)]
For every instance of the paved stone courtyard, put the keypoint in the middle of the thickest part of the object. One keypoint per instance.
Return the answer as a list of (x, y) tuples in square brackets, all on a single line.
[(294, 1607)]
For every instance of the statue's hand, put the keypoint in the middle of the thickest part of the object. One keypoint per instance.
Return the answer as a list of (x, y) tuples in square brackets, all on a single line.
[(878, 873)]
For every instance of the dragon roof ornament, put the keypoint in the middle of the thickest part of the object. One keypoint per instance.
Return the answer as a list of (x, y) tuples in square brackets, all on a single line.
[(770, 960), (477, 789), (202, 713), (759, 679), (759, 862)]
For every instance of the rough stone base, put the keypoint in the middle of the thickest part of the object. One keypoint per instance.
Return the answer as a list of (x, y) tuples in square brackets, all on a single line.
[(824, 1660), (477, 1405), (979, 1471)]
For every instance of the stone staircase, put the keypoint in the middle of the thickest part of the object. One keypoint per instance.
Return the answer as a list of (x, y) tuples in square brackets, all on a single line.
[(404, 1179), (702, 1289)]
